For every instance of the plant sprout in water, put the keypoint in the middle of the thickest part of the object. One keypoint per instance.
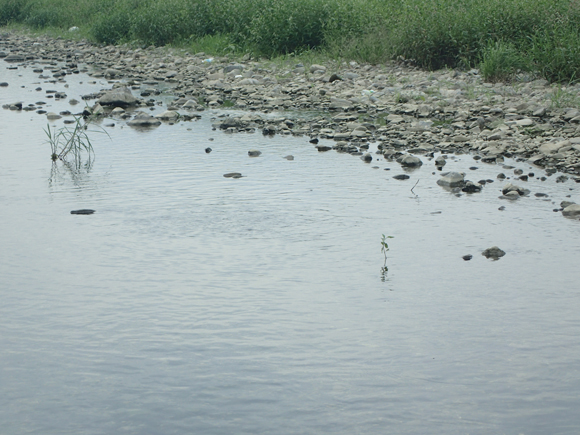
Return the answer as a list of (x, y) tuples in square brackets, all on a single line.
[(384, 249)]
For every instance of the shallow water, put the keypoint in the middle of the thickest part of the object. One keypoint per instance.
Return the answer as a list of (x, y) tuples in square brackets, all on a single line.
[(192, 303)]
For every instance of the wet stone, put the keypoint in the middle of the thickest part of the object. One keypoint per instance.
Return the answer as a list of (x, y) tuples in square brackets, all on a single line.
[(494, 253)]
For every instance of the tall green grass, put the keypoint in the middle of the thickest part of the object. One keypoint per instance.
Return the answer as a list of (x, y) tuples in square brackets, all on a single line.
[(540, 35)]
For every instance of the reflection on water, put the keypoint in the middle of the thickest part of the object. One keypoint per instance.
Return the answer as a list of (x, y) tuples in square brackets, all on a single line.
[(194, 303)]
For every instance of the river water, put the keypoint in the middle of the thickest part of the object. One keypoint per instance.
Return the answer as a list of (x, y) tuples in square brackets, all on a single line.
[(193, 303)]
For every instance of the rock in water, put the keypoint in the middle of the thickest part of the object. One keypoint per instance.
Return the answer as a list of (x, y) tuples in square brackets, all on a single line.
[(573, 210), (452, 179), (410, 161), (82, 211), (367, 157), (144, 120), (120, 97), (494, 253)]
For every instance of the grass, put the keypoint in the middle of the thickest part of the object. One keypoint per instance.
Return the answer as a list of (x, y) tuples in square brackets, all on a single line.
[(69, 142), (562, 98), (500, 37)]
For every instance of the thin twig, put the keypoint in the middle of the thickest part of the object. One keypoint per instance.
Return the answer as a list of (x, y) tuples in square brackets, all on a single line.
[(414, 187)]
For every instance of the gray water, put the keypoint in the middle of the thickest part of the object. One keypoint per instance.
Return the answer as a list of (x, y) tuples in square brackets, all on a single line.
[(194, 304)]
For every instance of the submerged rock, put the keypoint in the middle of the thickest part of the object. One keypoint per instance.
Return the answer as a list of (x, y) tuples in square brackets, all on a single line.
[(494, 253), (254, 153)]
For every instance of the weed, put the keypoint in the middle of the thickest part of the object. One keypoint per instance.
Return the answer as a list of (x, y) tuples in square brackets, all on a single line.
[(501, 61), (563, 98), (75, 142)]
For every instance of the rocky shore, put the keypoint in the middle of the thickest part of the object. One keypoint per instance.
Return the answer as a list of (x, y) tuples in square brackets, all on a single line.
[(398, 108)]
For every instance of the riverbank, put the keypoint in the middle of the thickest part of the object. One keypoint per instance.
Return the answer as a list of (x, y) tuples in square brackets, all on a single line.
[(398, 106)]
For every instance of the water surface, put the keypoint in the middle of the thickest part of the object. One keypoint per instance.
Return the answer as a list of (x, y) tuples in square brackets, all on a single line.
[(192, 303)]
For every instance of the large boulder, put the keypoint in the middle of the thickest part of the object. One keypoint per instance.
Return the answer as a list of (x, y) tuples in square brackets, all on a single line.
[(119, 97)]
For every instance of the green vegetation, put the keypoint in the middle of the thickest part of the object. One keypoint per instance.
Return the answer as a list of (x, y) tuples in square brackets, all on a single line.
[(384, 249), (503, 37), (74, 141)]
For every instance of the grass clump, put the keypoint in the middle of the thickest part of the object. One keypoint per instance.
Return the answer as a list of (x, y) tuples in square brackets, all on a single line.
[(72, 142), (501, 61)]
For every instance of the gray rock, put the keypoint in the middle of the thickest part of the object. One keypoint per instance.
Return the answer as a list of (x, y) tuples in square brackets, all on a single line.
[(144, 120), (440, 162), (367, 157), (471, 187), (401, 177), (254, 153), (14, 57), (120, 97), (233, 175), (168, 115), (513, 188), (572, 210), (317, 69), (452, 179), (410, 161), (289, 157), (52, 116), (565, 204), (494, 253), (253, 82), (339, 103), (234, 67)]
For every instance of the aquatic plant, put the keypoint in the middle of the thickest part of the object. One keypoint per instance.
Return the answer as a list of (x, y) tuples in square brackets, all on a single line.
[(65, 142), (385, 247)]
